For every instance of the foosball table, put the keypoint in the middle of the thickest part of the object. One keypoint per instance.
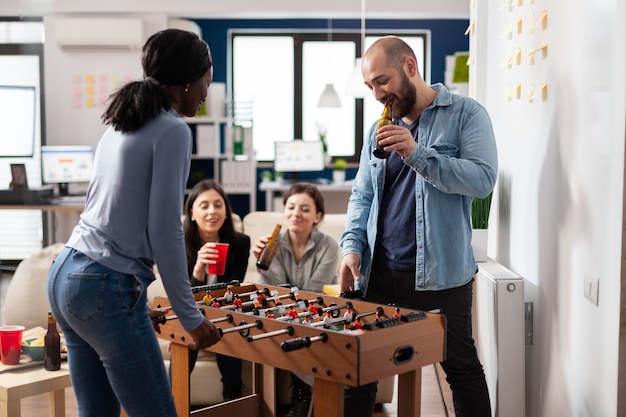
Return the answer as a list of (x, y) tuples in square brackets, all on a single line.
[(339, 341)]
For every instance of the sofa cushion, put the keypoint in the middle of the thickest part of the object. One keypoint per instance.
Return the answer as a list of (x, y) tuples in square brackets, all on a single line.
[(29, 282)]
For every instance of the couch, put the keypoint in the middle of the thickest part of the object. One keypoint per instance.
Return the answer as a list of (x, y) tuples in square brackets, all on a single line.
[(29, 283)]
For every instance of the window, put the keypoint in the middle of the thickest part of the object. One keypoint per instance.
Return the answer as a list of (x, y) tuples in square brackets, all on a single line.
[(21, 70), (284, 92)]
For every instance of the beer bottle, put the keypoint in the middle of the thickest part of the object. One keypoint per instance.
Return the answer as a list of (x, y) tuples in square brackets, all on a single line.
[(52, 346), (379, 151), (268, 252)]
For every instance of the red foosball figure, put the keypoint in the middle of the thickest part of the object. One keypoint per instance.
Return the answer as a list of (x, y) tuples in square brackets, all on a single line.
[(259, 299), (315, 312), (270, 315), (396, 312), (215, 303), (378, 316), (357, 323), (293, 314), (238, 303)]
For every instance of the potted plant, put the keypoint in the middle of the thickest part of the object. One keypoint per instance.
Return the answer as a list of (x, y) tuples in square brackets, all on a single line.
[(480, 222), (266, 176), (339, 170)]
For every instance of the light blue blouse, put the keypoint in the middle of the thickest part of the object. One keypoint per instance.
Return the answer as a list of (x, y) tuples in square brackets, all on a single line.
[(132, 216)]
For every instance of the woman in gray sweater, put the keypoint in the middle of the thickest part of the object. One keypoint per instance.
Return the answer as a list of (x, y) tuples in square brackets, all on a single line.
[(307, 259)]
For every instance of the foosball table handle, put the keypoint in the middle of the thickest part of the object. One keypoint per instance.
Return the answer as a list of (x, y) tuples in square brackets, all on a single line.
[(302, 342)]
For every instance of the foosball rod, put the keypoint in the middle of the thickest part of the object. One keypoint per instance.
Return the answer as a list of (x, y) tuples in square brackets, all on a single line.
[(331, 321), (379, 310), (289, 330), (318, 300), (250, 294), (336, 307), (164, 319), (300, 315), (258, 324), (280, 297)]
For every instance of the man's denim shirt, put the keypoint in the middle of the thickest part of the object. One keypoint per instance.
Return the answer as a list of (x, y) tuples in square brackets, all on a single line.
[(456, 160)]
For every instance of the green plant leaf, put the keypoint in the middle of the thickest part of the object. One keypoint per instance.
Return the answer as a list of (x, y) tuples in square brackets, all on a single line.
[(480, 212)]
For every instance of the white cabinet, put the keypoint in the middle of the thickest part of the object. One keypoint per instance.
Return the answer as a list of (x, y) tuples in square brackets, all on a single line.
[(227, 143)]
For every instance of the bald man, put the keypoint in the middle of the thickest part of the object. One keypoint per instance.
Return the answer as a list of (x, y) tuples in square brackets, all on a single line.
[(408, 228)]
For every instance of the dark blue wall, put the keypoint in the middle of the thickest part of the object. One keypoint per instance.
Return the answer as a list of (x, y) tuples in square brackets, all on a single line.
[(447, 36)]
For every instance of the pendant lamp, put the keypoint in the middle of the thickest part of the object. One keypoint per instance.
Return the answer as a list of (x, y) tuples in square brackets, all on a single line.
[(329, 97)]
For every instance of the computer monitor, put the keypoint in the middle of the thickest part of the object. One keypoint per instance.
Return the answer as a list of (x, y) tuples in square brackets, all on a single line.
[(298, 156), (66, 164), (18, 119)]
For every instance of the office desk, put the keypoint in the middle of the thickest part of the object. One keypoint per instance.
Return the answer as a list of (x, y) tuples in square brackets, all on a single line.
[(49, 217), (336, 195)]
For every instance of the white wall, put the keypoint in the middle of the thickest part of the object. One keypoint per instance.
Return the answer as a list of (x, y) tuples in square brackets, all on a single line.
[(558, 202), (245, 8), (70, 77)]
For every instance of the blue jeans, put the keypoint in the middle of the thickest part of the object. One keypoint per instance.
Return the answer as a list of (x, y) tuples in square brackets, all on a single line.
[(113, 353), (463, 368)]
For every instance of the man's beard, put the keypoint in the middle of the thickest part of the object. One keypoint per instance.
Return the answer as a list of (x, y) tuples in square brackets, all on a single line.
[(403, 105)]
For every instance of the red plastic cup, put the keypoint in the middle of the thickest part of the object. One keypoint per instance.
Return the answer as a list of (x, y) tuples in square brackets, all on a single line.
[(219, 266), (11, 344)]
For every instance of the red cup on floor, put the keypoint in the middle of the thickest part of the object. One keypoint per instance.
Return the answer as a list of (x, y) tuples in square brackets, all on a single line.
[(11, 344), (220, 262)]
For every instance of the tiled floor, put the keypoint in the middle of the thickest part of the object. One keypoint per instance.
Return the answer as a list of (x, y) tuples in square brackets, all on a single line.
[(431, 401)]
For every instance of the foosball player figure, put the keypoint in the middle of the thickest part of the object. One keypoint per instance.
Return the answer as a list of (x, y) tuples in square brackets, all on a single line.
[(396, 312), (348, 315), (306, 320), (228, 295), (293, 313), (328, 320), (208, 298), (259, 299), (281, 308), (315, 312), (238, 303), (295, 293), (357, 323), (378, 315), (216, 303), (270, 315)]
